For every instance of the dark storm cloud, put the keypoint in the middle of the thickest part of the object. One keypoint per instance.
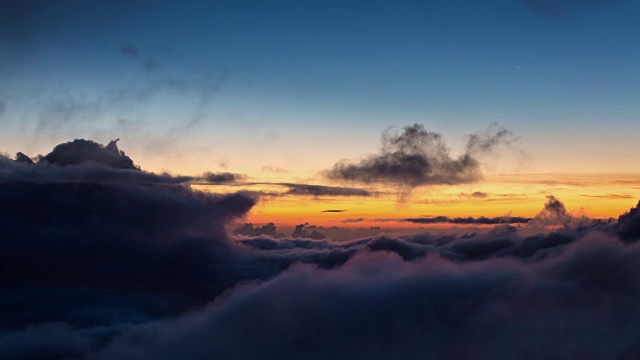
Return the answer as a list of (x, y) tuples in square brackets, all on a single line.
[(417, 157)]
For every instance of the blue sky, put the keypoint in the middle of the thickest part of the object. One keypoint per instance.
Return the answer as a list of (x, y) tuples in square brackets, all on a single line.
[(213, 80)]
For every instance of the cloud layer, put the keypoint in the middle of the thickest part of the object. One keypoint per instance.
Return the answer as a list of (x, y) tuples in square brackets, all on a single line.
[(119, 268)]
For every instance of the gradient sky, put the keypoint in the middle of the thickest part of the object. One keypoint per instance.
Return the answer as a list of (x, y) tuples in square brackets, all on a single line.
[(202, 86)]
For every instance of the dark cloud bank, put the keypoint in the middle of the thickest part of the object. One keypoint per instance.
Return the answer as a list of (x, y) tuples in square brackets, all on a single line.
[(117, 266)]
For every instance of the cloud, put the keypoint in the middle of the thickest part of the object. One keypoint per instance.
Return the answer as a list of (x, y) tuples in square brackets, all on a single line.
[(628, 225), (554, 213), (124, 269), (322, 190), (417, 157), (610, 196), (82, 151), (469, 220), (134, 53), (274, 169), (119, 108), (333, 211), (266, 230), (476, 194), (379, 305), (352, 220), (221, 178), (23, 159), (82, 161)]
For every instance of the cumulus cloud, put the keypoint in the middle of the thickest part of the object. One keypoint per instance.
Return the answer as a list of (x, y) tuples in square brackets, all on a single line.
[(554, 213), (82, 161), (24, 159), (417, 157), (81, 151), (628, 225), (266, 230)]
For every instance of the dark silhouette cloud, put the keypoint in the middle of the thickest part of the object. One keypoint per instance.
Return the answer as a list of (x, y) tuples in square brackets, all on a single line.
[(82, 151), (353, 220), (417, 157), (628, 225), (266, 230), (322, 190), (307, 231), (333, 211), (469, 220), (221, 178), (90, 172), (610, 196), (23, 159)]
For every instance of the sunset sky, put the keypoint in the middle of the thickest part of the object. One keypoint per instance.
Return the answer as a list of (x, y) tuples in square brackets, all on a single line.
[(282, 91), (253, 179)]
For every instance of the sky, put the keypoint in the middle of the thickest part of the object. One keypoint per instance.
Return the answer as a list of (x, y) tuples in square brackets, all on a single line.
[(319, 179), (281, 91)]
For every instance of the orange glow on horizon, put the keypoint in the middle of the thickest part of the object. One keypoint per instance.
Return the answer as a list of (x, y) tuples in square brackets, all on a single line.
[(592, 195)]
